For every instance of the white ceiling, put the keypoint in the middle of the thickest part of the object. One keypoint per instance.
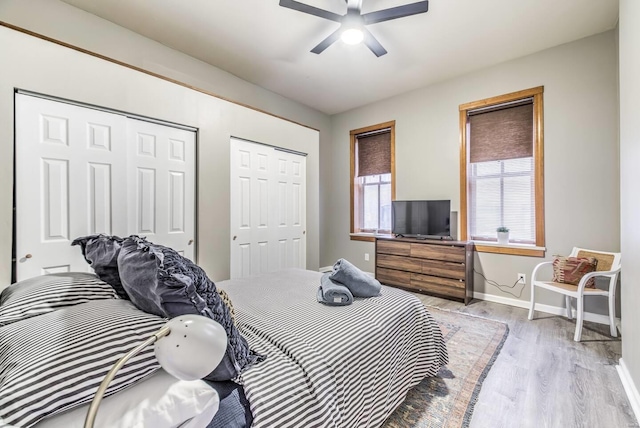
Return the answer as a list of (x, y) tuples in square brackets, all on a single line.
[(263, 43)]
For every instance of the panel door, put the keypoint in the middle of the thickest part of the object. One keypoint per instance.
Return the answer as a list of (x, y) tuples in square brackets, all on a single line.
[(70, 163), (290, 213), (268, 215), (161, 185), (251, 209)]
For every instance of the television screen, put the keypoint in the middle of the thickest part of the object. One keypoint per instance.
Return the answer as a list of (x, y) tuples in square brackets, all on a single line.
[(421, 218)]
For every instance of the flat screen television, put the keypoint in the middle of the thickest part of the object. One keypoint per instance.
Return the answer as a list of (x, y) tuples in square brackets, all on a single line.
[(421, 219)]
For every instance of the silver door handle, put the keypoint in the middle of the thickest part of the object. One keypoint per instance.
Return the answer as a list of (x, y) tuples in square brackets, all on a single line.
[(190, 242)]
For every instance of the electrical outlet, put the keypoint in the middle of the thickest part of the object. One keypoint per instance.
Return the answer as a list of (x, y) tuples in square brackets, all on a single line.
[(366, 257), (522, 278)]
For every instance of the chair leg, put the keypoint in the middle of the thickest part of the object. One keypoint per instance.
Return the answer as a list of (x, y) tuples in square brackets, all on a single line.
[(580, 314), (532, 307), (567, 305), (612, 315)]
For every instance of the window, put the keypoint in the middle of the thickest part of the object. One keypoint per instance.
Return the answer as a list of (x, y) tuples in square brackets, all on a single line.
[(501, 181), (372, 180)]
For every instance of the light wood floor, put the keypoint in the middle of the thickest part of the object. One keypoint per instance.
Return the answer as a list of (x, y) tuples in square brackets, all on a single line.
[(542, 378)]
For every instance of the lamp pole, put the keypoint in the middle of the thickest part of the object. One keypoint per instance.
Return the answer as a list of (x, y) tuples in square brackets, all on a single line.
[(188, 354), (95, 403)]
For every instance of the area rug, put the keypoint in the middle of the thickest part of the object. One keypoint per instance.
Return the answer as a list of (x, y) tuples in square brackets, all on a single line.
[(447, 400)]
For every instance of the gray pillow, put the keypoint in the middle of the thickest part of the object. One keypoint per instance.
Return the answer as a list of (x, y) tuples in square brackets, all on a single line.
[(160, 281), (101, 252)]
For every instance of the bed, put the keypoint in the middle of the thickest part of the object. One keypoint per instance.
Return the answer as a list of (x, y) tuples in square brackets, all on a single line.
[(347, 366), (330, 366)]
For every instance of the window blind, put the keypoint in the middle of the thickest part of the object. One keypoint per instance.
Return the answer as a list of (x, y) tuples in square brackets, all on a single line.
[(501, 172), (374, 153), (500, 134)]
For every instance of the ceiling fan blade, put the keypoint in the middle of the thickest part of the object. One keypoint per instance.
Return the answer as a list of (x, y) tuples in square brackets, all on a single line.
[(396, 12), (373, 44), (331, 39), (305, 8)]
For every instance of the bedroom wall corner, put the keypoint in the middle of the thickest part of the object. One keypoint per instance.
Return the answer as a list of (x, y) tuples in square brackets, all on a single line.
[(629, 57)]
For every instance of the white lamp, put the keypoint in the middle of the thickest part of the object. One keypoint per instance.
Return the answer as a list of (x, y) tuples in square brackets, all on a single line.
[(191, 347), (352, 36), (352, 27)]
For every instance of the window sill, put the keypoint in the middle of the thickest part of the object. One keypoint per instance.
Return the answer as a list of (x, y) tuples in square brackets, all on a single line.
[(368, 237), (512, 249)]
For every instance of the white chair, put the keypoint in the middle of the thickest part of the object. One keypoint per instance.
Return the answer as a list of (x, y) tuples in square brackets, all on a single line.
[(608, 266)]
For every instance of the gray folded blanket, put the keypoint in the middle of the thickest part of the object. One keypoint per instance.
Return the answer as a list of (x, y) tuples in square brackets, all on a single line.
[(333, 293), (359, 283)]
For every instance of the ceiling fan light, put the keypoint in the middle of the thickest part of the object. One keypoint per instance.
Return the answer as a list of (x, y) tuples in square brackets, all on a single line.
[(352, 36)]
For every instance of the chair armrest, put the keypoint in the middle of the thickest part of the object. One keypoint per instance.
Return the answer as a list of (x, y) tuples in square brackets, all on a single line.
[(534, 274), (583, 281)]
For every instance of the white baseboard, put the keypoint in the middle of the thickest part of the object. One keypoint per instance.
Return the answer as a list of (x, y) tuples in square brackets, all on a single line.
[(630, 388), (555, 310)]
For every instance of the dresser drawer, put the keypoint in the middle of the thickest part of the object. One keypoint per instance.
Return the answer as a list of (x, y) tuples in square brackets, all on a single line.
[(438, 252), (441, 286), (399, 262), (391, 247), (443, 269), (444, 282), (393, 277)]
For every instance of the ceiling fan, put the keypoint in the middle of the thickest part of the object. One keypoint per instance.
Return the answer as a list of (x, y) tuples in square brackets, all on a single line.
[(352, 25)]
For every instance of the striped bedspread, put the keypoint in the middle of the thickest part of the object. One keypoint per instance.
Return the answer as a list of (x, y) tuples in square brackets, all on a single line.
[(330, 366)]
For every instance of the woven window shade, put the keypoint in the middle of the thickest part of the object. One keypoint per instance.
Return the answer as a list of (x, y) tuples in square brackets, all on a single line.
[(505, 133), (374, 154)]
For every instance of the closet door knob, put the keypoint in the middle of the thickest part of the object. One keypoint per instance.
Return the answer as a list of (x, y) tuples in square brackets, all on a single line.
[(190, 242), (28, 256), (234, 238)]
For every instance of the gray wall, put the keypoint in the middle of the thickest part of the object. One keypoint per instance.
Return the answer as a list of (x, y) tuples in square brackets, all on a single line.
[(69, 24), (629, 180), (581, 154)]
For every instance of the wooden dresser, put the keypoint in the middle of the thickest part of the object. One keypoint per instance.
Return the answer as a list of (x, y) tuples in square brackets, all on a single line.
[(441, 268)]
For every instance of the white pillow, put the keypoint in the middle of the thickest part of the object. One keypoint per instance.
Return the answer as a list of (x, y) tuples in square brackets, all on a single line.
[(159, 401), (55, 362)]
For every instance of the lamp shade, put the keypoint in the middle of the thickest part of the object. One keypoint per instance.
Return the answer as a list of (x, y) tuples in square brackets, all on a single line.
[(194, 347), (352, 36)]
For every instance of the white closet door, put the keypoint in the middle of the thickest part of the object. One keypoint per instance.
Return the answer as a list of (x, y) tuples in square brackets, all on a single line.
[(70, 173), (81, 171), (290, 210), (268, 209), (161, 185)]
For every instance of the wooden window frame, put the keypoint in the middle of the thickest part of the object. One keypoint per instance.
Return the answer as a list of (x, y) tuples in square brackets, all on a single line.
[(391, 125), (538, 156)]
